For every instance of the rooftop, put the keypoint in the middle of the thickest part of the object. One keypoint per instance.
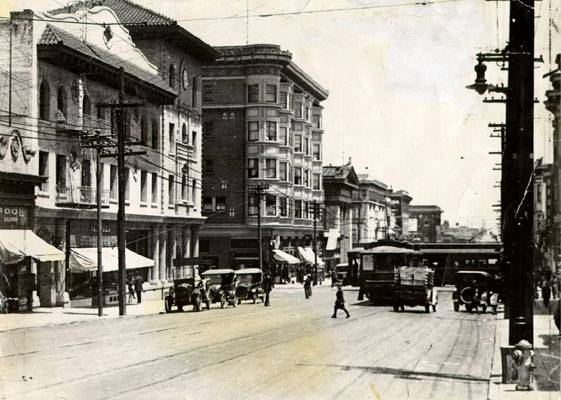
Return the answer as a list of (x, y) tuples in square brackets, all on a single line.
[(424, 208)]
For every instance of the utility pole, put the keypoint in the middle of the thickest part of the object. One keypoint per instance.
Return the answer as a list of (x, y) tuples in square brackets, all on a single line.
[(258, 191), (121, 229), (518, 162)]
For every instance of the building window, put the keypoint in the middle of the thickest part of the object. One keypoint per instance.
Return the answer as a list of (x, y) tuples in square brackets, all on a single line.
[(307, 113), (143, 131), (283, 171), (298, 176), (208, 93), (61, 103), (44, 169), (86, 110), (154, 187), (271, 131), (252, 205), (220, 204), (316, 151), (298, 109), (298, 143), (127, 178), (317, 181), (317, 121), (207, 203), (171, 132), (271, 205), (271, 93), (172, 76), (185, 184), (171, 191), (184, 134), (307, 146), (194, 141), (194, 191), (143, 186), (252, 93), (284, 100), (208, 128), (61, 173), (297, 208), (113, 182), (307, 178), (155, 138), (253, 168), (194, 91), (44, 101), (283, 135), (208, 167), (283, 210), (271, 168), (86, 173), (252, 131)]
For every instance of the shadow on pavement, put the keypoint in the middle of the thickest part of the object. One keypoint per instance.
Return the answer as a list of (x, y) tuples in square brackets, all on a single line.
[(400, 373)]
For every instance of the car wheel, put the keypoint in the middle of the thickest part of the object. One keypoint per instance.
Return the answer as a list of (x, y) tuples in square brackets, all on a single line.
[(167, 304), (222, 301), (456, 306)]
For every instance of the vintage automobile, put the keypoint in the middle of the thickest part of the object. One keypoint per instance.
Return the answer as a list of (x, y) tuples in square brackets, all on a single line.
[(340, 275), (180, 294), (221, 285), (414, 286), (476, 290), (250, 285)]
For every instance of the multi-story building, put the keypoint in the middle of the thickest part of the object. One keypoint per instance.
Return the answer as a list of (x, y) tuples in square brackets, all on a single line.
[(399, 205), (372, 214), (72, 77), (460, 233), (543, 217), (424, 223), (263, 126), (339, 184)]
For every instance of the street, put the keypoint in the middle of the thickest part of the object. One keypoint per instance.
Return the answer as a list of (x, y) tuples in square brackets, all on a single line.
[(291, 350)]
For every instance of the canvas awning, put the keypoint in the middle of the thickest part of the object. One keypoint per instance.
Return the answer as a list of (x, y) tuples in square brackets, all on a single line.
[(332, 237), (308, 255), (16, 244), (85, 259), (283, 257)]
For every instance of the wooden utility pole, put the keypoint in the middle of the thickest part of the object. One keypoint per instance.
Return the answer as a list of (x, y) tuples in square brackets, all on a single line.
[(121, 228), (258, 191)]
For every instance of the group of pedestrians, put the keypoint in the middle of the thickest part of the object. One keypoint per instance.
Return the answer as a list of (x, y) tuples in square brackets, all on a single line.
[(339, 296), (135, 289)]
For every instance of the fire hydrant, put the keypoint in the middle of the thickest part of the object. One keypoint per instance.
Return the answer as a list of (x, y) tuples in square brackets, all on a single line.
[(523, 357)]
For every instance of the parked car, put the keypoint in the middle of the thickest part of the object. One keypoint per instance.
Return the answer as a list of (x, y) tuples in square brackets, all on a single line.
[(180, 294), (476, 290), (414, 286), (250, 285), (221, 285)]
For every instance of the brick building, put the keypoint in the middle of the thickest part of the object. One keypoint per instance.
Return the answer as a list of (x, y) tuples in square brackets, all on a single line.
[(262, 125), (424, 223), (72, 71)]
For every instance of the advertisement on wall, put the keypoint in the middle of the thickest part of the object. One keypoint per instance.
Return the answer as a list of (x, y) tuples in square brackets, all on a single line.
[(14, 216)]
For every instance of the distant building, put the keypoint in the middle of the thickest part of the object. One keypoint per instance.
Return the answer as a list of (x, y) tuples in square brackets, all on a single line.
[(460, 234), (339, 184), (371, 211), (543, 216), (424, 223), (399, 202), (262, 118)]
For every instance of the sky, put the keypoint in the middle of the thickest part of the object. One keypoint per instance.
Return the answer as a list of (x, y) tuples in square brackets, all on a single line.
[(396, 73)]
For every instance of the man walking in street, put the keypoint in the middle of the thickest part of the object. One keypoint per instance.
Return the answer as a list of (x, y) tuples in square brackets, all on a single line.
[(339, 303), (308, 286), (267, 287), (138, 281)]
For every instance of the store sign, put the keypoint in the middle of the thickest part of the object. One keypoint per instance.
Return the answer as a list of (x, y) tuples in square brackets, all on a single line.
[(14, 216)]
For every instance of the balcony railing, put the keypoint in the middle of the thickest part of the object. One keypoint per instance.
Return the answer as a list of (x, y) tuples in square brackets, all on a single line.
[(79, 197)]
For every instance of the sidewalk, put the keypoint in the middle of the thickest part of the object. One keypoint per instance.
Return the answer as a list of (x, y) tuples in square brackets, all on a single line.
[(546, 359)]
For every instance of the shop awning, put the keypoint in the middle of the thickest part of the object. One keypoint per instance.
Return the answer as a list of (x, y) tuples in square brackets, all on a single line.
[(16, 244), (286, 258), (308, 255), (332, 237), (85, 259)]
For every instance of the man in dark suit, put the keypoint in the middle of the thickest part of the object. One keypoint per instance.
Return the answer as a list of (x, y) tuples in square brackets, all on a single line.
[(137, 282), (267, 287)]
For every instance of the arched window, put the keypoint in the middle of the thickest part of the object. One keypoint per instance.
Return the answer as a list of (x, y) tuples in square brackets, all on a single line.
[(144, 131), (172, 76), (44, 101), (86, 111), (184, 135), (61, 102)]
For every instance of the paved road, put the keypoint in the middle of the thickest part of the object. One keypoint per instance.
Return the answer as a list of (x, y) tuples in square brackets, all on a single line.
[(291, 350)]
